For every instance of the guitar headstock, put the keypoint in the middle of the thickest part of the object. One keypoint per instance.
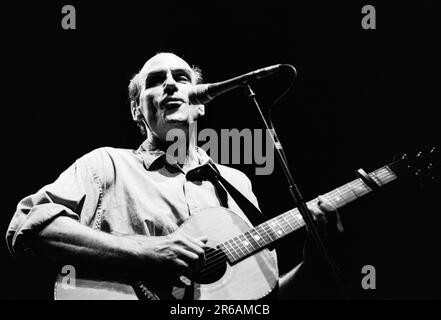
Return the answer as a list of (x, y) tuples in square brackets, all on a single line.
[(423, 165)]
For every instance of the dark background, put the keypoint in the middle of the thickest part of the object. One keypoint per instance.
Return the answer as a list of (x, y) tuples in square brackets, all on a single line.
[(361, 97)]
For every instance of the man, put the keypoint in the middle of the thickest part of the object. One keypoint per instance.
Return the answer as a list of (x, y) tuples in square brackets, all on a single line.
[(119, 210)]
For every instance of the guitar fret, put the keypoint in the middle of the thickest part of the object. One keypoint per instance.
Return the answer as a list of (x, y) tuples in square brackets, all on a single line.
[(383, 175), (239, 245), (251, 239), (349, 186), (287, 221), (349, 194), (330, 198), (279, 232), (269, 230), (282, 226), (360, 188), (234, 252), (282, 223), (257, 237), (300, 220), (262, 227), (376, 180), (341, 197), (227, 252), (294, 215), (391, 176), (245, 243), (233, 246), (298, 217)]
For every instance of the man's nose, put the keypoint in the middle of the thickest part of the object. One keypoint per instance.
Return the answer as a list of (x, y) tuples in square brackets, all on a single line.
[(170, 84)]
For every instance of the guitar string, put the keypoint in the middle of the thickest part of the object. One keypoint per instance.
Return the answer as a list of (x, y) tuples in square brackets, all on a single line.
[(235, 240), (219, 256), (267, 238), (209, 268), (213, 258), (279, 219)]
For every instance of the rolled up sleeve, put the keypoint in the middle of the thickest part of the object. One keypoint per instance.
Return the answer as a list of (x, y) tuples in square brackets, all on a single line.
[(74, 194)]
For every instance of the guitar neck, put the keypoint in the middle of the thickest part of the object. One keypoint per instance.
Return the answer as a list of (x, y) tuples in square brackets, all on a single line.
[(263, 235)]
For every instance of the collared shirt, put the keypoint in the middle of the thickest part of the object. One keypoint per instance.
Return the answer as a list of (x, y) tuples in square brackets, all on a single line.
[(124, 192)]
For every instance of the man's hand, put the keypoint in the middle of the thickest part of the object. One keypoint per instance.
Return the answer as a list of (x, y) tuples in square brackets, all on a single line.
[(324, 213), (177, 253)]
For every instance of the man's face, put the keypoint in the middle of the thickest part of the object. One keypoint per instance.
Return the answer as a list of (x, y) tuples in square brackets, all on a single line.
[(164, 98)]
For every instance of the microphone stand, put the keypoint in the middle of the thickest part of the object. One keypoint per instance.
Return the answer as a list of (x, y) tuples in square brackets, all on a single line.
[(296, 195)]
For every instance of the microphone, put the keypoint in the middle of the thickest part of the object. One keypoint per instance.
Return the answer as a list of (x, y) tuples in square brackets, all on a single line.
[(204, 93)]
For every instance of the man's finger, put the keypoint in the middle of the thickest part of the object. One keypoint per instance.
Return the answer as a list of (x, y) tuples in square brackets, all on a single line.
[(315, 210), (203, 239), (325, 204)]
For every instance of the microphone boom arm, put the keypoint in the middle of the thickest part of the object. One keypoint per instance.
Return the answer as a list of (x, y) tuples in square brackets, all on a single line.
[(204, 93)]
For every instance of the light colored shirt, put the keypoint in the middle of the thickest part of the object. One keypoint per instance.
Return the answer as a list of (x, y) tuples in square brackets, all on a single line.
[(123, 191)]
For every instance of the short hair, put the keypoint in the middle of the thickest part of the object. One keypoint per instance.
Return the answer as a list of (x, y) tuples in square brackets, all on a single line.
[(136, 84)]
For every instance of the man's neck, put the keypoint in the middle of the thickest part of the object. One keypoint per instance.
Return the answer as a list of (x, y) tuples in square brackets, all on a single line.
[(187, 162), (191, 159)]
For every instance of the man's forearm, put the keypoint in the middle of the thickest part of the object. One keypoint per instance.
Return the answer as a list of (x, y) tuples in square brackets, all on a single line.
[(65, 240)]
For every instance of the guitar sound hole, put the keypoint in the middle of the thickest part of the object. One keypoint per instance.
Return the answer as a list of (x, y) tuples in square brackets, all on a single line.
[(215, 266)]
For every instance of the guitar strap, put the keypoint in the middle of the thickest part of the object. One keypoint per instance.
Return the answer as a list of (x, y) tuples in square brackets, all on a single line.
[(249, 209)]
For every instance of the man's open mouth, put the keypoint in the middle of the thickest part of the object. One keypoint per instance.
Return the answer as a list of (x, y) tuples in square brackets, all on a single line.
[(172, 103)]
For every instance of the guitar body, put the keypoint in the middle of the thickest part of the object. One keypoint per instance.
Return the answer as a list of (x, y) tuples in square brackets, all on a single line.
[(251, 278)]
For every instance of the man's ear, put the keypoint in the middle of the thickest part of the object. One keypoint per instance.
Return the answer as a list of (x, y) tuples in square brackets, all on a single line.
[(136, 112)]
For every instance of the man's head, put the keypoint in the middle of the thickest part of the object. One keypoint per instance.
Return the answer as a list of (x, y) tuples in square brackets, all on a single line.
[(159, 95)]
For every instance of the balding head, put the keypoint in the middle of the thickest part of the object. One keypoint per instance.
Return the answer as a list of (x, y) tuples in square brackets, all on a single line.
[(159, 95), (138, 80)]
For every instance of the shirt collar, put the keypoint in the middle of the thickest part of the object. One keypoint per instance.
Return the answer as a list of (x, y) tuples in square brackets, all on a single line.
[(152, 155)]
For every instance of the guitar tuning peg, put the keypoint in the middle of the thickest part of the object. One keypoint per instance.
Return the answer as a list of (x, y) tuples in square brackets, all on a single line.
[(419, 154)]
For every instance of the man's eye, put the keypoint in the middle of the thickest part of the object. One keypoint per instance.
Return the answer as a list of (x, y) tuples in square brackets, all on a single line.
[(154, 81), (183, 78)]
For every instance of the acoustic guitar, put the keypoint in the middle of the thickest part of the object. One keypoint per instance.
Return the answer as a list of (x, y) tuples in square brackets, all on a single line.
[(239, 264)]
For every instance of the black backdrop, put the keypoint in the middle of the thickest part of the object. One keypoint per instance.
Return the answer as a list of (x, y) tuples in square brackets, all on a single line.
[(361, 97)]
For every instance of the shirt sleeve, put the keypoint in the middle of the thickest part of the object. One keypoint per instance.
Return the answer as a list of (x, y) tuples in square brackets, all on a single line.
[(75, 194)]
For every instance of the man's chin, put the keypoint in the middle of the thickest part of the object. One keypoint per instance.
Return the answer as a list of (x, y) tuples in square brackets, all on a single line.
[(177, 117), (177, 121)]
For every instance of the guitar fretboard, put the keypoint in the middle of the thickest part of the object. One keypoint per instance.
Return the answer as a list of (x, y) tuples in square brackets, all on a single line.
[(247, 243)]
